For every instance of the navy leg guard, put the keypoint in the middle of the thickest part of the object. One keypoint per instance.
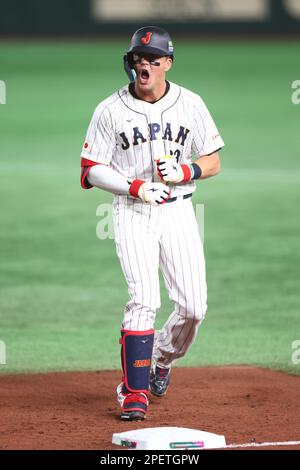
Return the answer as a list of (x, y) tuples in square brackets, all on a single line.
[(136, 359)]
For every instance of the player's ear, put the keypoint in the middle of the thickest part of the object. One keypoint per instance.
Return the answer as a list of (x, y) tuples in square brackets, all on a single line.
[(168, 64)]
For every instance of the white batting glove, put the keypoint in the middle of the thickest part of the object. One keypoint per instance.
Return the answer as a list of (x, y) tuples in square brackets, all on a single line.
[(150, 193), (172, 172)]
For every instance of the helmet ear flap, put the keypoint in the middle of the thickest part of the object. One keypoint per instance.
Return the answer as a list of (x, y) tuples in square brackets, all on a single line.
[(129, 67)]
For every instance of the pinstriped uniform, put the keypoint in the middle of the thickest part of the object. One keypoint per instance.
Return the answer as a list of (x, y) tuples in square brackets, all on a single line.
[(128, 134)]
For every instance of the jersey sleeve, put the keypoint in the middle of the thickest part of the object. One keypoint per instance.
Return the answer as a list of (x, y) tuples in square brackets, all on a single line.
[(100, 141), (206, 139)]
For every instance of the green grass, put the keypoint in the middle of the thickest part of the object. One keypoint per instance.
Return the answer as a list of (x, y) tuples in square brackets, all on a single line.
[(62, 290)]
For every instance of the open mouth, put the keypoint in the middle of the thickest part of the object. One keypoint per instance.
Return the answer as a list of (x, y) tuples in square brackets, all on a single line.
[(144, 75)]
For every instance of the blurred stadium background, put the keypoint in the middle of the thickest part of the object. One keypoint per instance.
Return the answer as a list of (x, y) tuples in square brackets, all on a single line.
[(62, 290)]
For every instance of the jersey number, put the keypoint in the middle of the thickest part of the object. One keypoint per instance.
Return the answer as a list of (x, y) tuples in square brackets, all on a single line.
[(176, 154)]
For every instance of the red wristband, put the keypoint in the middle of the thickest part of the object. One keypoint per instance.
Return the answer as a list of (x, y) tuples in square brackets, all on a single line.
[(135, 186), (187, 174)]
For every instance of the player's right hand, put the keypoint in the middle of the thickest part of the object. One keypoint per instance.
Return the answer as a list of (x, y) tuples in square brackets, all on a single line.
[(150, 193), (154, 193)]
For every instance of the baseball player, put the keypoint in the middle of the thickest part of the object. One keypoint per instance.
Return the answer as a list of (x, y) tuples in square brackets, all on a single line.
[(147, 144)]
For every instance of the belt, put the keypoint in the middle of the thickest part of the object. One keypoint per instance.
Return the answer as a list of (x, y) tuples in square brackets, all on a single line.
[(185, 196)]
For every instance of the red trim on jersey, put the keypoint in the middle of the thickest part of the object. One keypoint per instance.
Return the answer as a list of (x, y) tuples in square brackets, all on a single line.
[(135, 186), (86, 162), (84, 173), (86, 165)]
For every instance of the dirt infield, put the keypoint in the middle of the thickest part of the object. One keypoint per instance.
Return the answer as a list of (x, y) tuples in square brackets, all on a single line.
[(79, 410)]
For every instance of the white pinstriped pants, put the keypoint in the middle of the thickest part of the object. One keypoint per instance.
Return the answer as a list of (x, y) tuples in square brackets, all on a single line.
[(166, 237)]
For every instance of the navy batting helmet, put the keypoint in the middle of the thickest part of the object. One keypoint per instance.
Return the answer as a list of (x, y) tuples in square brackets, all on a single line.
[(150, 40)]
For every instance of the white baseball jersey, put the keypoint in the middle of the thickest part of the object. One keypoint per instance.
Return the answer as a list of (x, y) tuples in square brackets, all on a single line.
[(129, 134)]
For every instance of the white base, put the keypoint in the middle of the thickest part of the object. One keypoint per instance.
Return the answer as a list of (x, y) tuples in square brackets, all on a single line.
[(168, 438)]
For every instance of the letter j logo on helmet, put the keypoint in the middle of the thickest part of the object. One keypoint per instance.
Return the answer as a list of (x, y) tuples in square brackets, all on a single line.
[(146, 39)]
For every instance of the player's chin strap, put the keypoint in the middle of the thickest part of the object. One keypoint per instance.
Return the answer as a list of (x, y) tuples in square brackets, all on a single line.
[(128, 67), (136, 355)]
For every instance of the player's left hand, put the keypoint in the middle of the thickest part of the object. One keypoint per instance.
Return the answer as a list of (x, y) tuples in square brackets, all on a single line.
[(172, 172)]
